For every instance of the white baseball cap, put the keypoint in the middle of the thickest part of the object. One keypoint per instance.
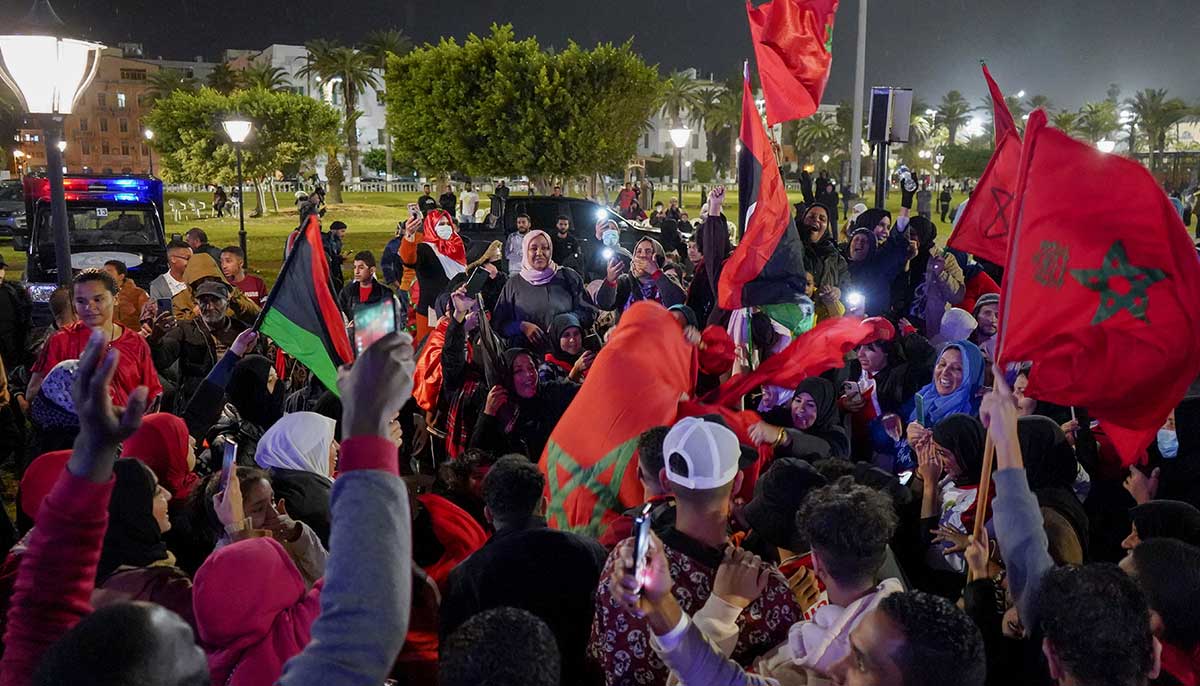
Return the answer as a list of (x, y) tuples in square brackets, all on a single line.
[(709, 450)]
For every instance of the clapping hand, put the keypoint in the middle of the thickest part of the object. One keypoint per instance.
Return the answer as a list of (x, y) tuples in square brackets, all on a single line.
[(101, 426)]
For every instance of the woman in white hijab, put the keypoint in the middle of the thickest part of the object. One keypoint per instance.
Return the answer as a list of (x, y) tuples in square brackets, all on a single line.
[(300, 453)]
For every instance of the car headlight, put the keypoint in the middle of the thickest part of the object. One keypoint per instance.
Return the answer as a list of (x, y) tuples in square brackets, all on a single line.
[(40, 292)]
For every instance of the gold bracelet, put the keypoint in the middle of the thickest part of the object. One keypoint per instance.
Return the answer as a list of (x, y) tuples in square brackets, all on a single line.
[(779, 439)]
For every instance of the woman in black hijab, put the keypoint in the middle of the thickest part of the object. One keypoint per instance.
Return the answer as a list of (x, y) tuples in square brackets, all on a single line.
[(566, 339), (811, 428), (821, 253), (1163, 519), (712, 240), (1050, 469), (134, 561), (257, 395), (877, 254), (521, 411)]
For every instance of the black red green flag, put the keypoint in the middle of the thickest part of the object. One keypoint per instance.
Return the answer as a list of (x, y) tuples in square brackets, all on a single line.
[(1101, 290), (767, 267), (302, 315)]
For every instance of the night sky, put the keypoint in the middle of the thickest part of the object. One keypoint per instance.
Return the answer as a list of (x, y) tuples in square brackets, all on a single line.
[(1069, 50)]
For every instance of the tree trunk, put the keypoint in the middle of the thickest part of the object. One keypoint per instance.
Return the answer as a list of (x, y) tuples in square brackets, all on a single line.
[(351, 134), (274, 199), (952, 132), (259, 200), (387, 148), (733, 156), (335, 176)]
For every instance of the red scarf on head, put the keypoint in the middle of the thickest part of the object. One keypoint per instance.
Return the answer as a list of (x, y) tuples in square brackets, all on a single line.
[(161, 443), (452, 247)]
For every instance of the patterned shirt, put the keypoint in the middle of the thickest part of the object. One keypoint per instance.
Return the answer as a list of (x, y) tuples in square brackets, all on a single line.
[(620, 642)]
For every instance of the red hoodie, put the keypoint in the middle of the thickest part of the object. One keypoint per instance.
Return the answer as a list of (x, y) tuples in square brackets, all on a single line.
[(253, 613)]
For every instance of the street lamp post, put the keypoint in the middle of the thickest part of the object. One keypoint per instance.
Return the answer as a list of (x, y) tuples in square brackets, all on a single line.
[(149, 151), (47, 74), (238, 130), (679, 138)]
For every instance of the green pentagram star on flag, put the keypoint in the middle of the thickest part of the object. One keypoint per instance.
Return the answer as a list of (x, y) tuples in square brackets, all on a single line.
[(1116, 264)]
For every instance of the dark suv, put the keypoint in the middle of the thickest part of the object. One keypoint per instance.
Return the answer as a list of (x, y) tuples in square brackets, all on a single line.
[(108, 218)]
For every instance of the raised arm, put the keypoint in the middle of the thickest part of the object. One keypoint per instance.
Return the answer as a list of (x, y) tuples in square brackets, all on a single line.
[(358, 634), (204, 408), (58, 571)]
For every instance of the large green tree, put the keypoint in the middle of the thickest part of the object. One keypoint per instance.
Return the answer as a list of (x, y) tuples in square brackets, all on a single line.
[(1155, 113), (962, 161), (1097, 120), (264, 76), (193, 147), (680, 98), (381, 45), (163, 82), (495, 105), (222, 79)]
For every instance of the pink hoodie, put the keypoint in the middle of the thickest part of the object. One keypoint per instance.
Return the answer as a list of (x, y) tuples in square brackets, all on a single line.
[(252, 611)]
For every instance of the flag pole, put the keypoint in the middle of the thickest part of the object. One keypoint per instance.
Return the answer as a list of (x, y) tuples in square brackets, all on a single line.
[(985, 485), (860, 86)]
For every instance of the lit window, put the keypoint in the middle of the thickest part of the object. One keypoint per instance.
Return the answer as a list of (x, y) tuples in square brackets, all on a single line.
[(121, 101)]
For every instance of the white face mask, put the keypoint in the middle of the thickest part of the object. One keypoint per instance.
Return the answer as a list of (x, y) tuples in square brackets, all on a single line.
[(443, 231)]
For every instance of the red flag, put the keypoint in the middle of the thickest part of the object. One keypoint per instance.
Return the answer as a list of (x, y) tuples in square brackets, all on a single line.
[(793, 41), (983, 228), (591, 473), (767, 267), (1002, 119), (1101, 291), (819, 350)]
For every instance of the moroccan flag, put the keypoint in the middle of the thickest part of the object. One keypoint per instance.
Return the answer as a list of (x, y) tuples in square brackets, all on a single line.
[(810, 354), (591, 473), (1101, 290), (767, 267), (793, 44), (302, 316), (983, 228)]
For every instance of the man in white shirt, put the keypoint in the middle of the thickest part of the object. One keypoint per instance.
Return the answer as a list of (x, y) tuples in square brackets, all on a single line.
[(468, 202), (171, 282)]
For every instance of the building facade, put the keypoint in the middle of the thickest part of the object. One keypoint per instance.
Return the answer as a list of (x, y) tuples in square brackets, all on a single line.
[(105, 134)]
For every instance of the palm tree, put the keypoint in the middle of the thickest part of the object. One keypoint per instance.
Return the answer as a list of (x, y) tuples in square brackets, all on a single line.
[(353, 72), (380, 45), (818, 132), (953, 113), (222, 79), (1039, 102), (710, 100), (166, 81), (680, 93), (264, 76), (1068, 122), (1098, 119), (1155, 113)]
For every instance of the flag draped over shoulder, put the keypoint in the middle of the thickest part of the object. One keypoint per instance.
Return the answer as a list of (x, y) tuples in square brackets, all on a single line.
[(811, 353), (793, 47), (767, 267), (984, 227), (633, 385), (302, 315), (1101, 290)]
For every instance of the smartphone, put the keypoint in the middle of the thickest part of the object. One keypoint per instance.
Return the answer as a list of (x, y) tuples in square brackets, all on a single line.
[(920, 410), (851, 389), (227, 463), (904, 477), (164, 305), (477, 281), (414, 210), (641, 526), (373, 322)]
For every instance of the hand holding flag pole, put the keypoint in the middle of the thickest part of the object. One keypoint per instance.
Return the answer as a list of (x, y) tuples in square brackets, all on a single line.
[(998, 411)]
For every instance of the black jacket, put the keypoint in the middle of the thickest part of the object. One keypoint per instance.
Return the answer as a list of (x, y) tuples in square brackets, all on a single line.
[(535, 420), (552, 574), (349, 301), (614, 297), (307, 499), (186, 354), (16, 312)]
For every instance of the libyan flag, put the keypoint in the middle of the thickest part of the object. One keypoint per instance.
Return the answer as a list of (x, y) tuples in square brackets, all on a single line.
[(301, 314), (1101, 289)]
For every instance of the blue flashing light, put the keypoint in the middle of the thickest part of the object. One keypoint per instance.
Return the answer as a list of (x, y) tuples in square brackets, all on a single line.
[(127, 197)]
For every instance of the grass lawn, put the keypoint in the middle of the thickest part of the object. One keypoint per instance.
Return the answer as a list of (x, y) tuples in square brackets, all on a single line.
[(371, 218)]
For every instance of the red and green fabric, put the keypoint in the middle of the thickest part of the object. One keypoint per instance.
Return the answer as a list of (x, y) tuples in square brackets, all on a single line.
[(634, 384), (793, 44), (984, 226), (302, 315), (1101, 290)]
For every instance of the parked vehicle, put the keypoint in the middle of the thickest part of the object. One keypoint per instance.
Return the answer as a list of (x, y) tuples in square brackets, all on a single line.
[(108, 218), (12, 208)]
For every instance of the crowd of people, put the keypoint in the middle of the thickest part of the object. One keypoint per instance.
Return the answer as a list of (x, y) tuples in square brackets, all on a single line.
[(395, 527)]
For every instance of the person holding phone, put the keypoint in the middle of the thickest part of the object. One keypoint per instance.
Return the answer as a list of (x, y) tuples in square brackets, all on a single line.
[(645, 280), (437, 256)]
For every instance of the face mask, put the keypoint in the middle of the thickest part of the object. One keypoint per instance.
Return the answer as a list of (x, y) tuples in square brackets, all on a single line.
[(1168, 443), (610, 237), (443, 231)]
